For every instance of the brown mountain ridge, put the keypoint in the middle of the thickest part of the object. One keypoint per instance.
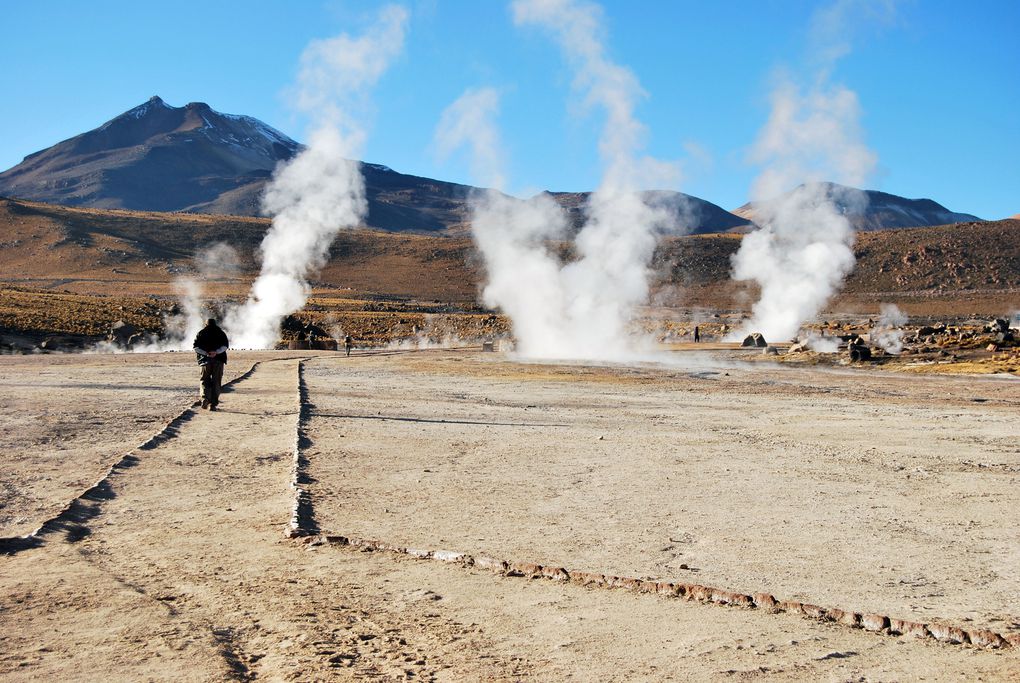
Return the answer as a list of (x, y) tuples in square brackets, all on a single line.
[(954, 267)]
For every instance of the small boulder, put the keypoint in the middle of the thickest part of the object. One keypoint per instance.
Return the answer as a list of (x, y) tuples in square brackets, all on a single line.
[(770, 351), (755, 340), (121, 331), (997, 325), (859, 353)]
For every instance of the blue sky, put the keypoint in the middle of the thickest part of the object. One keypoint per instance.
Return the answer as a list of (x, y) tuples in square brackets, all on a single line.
[(939, 83)]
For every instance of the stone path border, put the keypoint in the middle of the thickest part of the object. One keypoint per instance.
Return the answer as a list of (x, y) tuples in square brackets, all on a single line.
[(938, 630), (302, 525), (83, 507), (302, 517)]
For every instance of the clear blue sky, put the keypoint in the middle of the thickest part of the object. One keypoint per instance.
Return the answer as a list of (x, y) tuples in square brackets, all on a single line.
[(939, 85)]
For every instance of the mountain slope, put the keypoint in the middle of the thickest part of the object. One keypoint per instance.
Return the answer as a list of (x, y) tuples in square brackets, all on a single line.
[(153, 157), (156, 157), (104, 251), (882, 211)]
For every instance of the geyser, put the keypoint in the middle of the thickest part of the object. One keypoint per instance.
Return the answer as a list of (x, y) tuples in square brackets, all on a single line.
[(804, 247), (320, 191), (583, 309)]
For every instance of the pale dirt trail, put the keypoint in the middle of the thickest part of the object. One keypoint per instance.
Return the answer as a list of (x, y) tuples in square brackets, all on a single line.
[(186, 575)]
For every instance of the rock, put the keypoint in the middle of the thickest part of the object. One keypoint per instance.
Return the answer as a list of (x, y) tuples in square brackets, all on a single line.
[(799, 347), (667, 588), (789, 606), (770, 351), (765, 601), (587, 579), (121, 331), (984, 638), (874, 622), (851, 619), (730, 598), (948, 634), (992, 348), (814, 611), (908, 628), (859, 353), (526, 569), (555, 573), (926, 331), (448, 556), (997, 325), (490, 563), (697, 592), (755, 339)]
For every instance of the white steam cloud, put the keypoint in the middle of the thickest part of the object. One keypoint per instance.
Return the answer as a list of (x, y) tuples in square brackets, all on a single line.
[(320, 191), (581, 310), (888, 332), (803, 250)]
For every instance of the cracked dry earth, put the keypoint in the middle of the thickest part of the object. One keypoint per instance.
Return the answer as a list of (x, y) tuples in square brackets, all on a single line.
[(790, 481)]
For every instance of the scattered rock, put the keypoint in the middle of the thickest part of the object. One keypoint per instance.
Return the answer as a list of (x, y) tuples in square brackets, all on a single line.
[(997, 325), (859, 353), (123, 334), (755, 339)]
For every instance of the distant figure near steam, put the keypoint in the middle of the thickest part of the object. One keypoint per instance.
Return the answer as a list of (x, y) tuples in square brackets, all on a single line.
[(348, 344), (697, 334), (211, 345)]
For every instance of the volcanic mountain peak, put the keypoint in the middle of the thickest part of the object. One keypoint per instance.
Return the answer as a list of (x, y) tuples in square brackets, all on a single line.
[(142, 109), (158, 157), (869, 209)]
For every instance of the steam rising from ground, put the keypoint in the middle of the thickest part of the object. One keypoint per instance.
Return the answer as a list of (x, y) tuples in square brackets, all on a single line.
[(888, 332), (580, 310), (803, 250), (320, 191), (820, 344), (180, 328), (311, 198)]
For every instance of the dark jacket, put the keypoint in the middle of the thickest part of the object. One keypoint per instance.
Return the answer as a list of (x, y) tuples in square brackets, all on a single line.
[(211, 338)]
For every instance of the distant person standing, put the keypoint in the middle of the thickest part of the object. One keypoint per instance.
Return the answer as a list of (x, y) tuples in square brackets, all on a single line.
[(697, 334), (211, 345), (348, 344)]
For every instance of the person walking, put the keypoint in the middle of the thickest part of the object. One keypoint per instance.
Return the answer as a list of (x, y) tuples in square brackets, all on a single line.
[(697, 334), (348, 344), (211, 345)]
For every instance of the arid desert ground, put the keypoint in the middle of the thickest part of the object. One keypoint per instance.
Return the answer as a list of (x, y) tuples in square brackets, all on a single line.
[(498, 496)]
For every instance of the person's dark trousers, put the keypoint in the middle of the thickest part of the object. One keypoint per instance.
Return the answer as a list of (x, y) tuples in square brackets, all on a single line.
[(212, 379)]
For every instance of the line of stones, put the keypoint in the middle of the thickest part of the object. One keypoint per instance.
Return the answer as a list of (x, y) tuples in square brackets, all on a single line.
[(85, 505), (302, 524), (302, 519), (937, 630)]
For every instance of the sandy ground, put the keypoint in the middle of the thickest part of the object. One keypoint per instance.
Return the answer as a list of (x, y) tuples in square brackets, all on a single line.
[(870, 492)]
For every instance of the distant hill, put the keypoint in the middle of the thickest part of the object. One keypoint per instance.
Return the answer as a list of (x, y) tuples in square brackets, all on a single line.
[(967, 267), (883, 210), (156, 157)]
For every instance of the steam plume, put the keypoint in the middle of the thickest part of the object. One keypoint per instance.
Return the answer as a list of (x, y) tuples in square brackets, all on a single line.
[(888, 332), (803, 250), (580, 310), (320, 191)]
